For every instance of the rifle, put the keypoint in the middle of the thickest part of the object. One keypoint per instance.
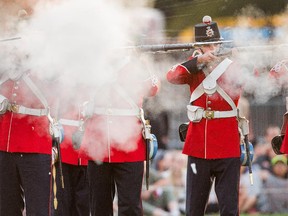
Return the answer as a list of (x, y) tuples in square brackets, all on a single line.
[(10, 39), (155, 48), (172, 47)]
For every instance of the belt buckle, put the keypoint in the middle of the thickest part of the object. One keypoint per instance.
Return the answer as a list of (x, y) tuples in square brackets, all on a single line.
[(209, 114), (14, 108)]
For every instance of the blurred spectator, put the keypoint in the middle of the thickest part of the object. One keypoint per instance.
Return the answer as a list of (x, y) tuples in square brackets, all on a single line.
[(213, 206), (249, 194), (274, 196), (160, 127), (176, 176), (263, 151), (159, 120), (159, 200), (162, 161)]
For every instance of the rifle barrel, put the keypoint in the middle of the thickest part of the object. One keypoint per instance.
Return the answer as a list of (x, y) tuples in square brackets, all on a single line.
[(188, 46), (173, 47), (10, 39), (165, 47), (261, 47)]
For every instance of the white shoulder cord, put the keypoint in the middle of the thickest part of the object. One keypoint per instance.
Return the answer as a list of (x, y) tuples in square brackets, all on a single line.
[(4, 79), (213, 76), (226, 97), (125, 96), (35, 90)]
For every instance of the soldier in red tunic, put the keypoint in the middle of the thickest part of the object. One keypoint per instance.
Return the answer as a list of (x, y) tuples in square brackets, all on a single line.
[(114, 140), (278, 74), (26, 101), (25, 144), (73, 199), (212, 142)]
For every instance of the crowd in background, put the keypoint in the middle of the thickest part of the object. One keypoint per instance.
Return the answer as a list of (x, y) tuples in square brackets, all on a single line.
[(268, 194), (166, 195)]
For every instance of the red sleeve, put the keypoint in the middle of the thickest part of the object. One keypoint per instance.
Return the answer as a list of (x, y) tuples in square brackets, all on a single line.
[(178, 74)]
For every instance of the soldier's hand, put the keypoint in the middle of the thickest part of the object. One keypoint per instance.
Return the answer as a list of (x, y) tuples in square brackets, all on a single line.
[(206, 58)]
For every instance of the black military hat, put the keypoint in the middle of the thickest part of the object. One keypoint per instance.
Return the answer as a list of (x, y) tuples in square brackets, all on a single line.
[(207, 31)]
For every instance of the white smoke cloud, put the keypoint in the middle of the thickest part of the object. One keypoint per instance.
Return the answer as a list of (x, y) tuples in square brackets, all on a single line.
[(77, 42), (75, 39), (80, 44)]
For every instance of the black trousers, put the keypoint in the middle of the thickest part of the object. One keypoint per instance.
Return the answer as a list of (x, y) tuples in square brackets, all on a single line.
[(25, 177), (200, 176), (106, 178), (73, 199)]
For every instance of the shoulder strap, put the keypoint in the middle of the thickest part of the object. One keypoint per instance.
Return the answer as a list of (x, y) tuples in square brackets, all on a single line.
[(119, 89), (3, 79), (215, 74), (226, 97), (31, 85), (35, 90)]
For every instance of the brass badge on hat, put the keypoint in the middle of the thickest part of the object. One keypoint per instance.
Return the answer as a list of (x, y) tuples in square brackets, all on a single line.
[(209, 31)]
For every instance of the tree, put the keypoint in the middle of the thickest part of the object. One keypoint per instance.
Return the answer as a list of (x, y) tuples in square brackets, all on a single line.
[(184, 13)]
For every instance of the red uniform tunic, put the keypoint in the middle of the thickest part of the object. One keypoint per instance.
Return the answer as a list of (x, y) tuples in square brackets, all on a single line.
[(110, 137), (21, 132), (284, 147), (210, 138)]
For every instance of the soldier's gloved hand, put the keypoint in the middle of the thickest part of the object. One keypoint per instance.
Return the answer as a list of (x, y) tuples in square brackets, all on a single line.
[(57, 132), (276, 143)]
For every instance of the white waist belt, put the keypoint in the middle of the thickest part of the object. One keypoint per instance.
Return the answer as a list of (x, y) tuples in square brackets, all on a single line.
[(27, 111), (69, 122), (196, 113), (117, 112), (210, 114)]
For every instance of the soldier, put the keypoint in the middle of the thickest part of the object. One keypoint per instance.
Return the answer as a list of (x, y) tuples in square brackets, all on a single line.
[(114, 142), (73, 193), (278, 75), (25, 143), (212, 141), (27, 103)]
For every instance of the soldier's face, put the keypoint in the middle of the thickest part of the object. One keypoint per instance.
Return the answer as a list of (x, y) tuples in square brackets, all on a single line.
[(210, 48)]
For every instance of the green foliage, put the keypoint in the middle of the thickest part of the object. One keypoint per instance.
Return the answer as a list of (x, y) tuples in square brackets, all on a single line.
[(182, 13)]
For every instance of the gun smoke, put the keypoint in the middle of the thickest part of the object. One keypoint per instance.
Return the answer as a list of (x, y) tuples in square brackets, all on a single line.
[(79, 43)]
